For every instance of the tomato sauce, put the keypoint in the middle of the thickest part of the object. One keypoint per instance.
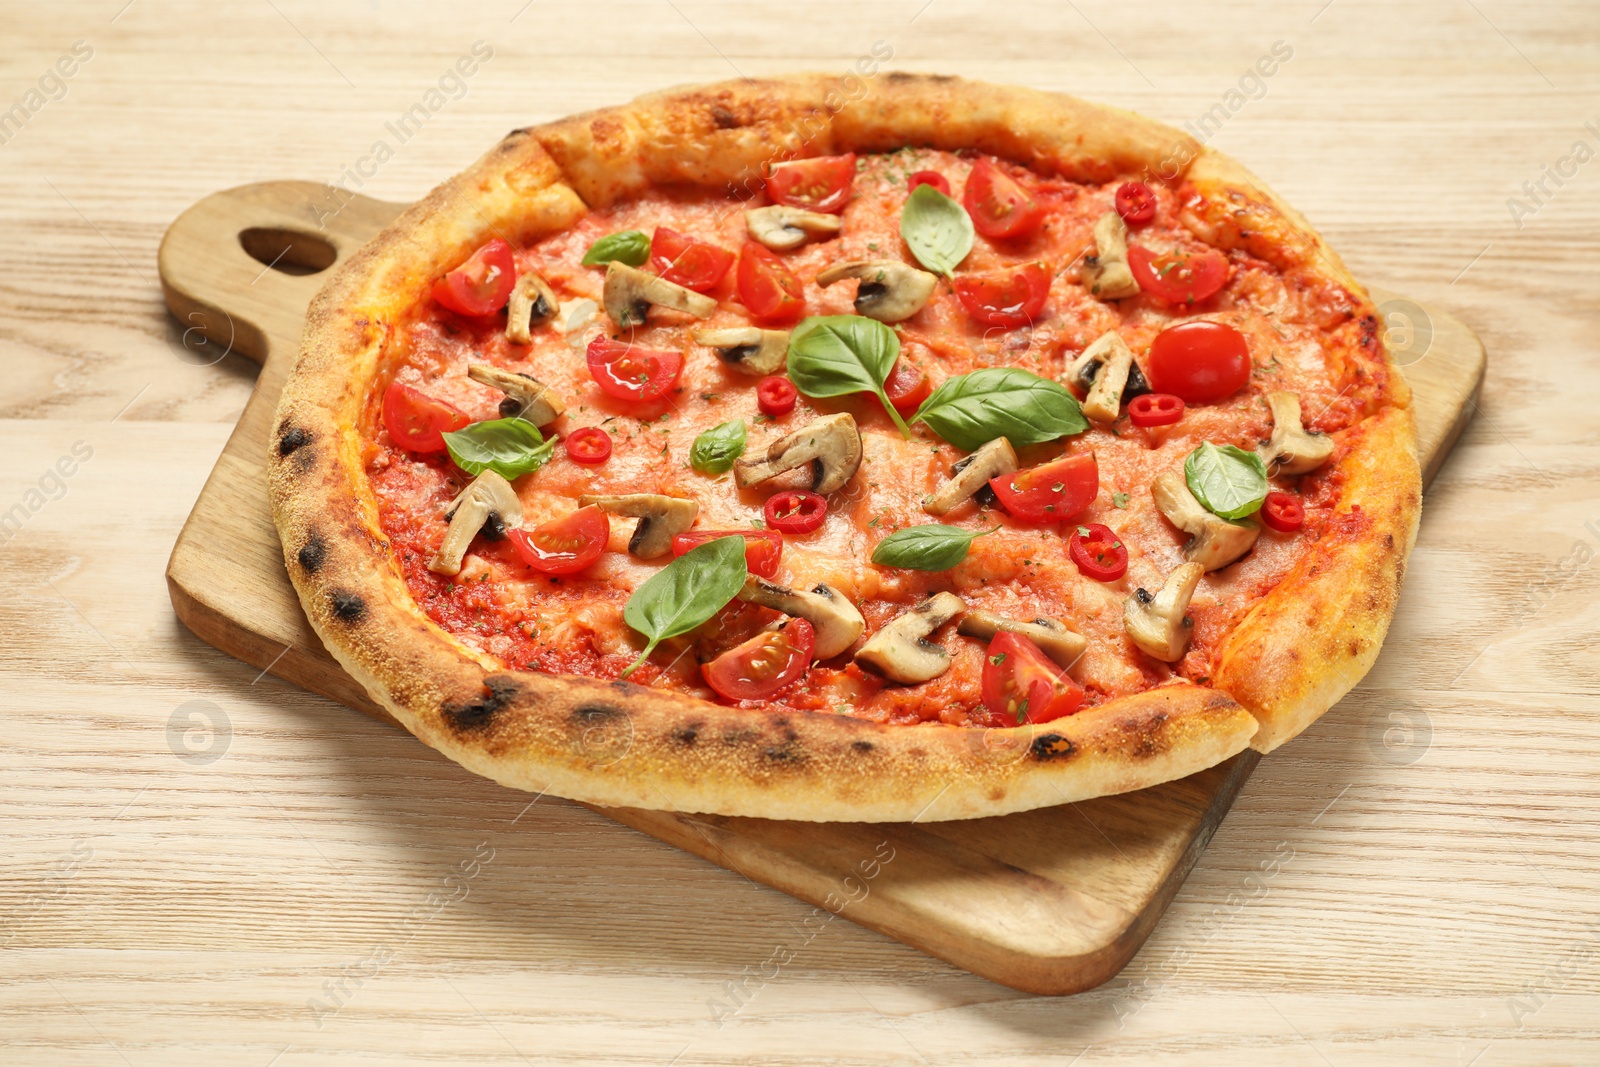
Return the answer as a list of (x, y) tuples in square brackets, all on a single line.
[(1303, 337)]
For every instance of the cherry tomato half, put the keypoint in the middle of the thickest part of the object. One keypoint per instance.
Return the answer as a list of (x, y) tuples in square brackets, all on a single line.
[(1098, 552), (1051, 492), (766, 663), (566, 545), (821, 184), (767, 287), (589, 445), (1283, 512), (1155, 409), (1000, 205), (1021, 684), (907, 387), (1136, 203), (762, 548), (631, 372), (1199, 361), (684, 261), (1010, 297), (776, 395), (481, 285), (1178, 277), (795, 511), (928, 177), (417, 421)]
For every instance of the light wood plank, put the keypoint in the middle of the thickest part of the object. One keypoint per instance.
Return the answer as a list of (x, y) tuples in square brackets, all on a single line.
[(1416, 908)]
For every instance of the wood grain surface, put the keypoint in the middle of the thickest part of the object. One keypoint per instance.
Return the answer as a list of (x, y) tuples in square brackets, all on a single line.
[(293, 884)]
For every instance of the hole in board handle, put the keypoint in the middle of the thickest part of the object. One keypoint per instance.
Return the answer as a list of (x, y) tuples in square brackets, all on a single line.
[(288, 251)]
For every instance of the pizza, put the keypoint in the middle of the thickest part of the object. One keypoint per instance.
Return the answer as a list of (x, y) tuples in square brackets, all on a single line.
[(818, 449)]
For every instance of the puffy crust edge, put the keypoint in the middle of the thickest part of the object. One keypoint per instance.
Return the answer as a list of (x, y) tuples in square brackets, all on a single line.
[(614, 743), (721, 135), (1312, 638)]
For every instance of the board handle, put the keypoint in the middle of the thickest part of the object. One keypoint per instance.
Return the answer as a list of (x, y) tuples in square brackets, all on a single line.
[(241, 266)]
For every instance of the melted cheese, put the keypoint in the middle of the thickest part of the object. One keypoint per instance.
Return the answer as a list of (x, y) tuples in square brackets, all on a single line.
[(574, 624)]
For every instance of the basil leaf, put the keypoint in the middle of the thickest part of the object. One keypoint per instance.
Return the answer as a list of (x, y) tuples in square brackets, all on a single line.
[(686, 592), (630, 246), (715, 450), (936, 228), (931, 547), (973, 409), (1228, 481), (833, 355), (508, 447)]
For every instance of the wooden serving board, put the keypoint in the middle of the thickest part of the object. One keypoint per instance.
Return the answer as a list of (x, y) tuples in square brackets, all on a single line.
[(1050, 901)]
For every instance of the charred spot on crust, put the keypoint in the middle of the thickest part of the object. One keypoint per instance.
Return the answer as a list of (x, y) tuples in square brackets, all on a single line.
[(687, 735), (725, 119), (312, 553), (597, 714), (293, 438), (349, 607), (861, 746), (1047, 747), (475, 714)]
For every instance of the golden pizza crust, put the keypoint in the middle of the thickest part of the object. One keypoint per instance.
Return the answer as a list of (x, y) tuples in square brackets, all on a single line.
[(1309, 641), (617, 743)]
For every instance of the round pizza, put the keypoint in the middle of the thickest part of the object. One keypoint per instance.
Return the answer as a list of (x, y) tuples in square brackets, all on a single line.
[(852, 449)]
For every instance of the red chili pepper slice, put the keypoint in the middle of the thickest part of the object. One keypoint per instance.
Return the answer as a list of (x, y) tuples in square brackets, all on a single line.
[(776, 395), (1155, 409), (795, 511), (1283, 512), (589, 445), (1098, 552)]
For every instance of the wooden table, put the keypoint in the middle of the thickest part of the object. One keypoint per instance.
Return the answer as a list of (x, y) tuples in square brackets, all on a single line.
[(204, 865)]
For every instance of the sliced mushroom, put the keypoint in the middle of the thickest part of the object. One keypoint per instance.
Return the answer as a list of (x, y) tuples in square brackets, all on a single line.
[(1292, 450), (831, 444), (532, 301), (901, 651), (1051, 635), (1109, 276), (1158, 624), (488, 503), (781, 228), (526, 396), (1108, 375), (971, 475), (629, 293), (1215, 542), (661, 518), (836, 621), (748, 348), (890, 291)]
